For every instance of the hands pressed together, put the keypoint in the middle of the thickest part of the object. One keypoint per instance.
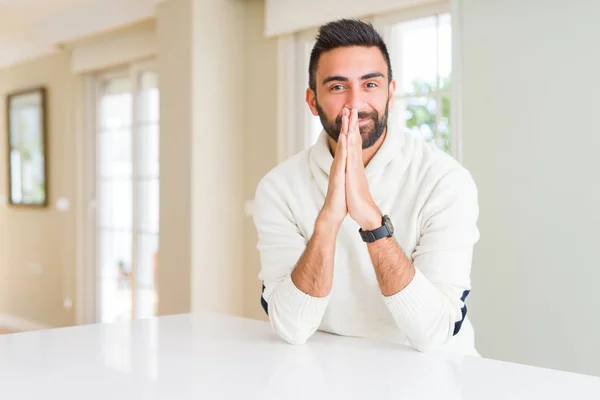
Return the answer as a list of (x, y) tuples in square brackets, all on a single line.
[(348, 191)]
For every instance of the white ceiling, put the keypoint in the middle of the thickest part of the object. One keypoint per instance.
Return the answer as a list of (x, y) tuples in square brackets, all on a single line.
[(32, 28)]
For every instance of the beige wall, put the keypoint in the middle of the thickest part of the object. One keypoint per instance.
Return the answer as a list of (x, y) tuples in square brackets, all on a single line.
[(202, 72), (174, 25), (43, 236), (218, 155), (260, 139), (234, 146)]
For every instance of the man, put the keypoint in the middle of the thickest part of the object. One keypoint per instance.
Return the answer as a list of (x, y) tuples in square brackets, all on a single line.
[(369, 233)]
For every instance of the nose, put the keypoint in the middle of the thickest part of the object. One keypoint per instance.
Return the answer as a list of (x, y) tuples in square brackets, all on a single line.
[(354, 99)]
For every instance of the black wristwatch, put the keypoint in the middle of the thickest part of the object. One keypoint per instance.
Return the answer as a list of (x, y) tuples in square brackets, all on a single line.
[(386, 230)]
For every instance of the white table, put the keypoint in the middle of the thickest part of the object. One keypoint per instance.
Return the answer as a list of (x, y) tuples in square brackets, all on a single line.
[(208, 356)]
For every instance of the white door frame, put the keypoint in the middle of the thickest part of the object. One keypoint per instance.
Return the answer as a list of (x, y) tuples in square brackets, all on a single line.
[(87, 260)]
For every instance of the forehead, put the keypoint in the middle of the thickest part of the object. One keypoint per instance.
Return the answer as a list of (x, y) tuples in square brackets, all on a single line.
[(351, 62)]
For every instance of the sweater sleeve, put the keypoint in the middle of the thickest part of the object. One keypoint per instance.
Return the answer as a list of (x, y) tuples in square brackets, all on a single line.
[(431, 308), (294, 315)]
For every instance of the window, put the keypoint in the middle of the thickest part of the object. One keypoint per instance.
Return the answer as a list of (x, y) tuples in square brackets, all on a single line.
[(311, 124), (126, 194), (421, 55)]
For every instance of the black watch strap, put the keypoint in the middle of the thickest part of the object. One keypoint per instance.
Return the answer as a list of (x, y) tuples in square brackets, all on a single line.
[(385, 230)]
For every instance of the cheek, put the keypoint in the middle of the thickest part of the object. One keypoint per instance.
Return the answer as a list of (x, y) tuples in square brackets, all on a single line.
[(332, 105), (378, 101)]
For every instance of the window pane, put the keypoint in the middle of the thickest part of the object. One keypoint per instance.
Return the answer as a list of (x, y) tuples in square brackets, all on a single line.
[(312, 123), (115, 105), (147, 268), (115, 299), (419, 116), (148, 99), (444, 138), (114, 154), (115, 204), (147, 151), (147, 259), (148, 203), (114, 253), (417, 42), (121, 113), (445, 51), (315, 128)]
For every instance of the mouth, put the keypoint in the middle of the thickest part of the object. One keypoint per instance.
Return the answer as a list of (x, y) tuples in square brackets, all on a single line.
[(363, 121)]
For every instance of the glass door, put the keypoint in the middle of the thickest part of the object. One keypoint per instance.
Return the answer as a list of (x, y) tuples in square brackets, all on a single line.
[(127, 194)]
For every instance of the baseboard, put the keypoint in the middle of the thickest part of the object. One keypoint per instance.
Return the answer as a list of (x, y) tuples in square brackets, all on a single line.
[(21, 324)]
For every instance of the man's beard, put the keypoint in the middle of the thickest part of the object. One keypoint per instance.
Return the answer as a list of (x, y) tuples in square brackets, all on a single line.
[(370, 135)]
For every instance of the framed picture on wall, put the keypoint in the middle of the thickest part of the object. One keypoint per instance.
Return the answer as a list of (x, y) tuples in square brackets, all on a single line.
[(27, 141)]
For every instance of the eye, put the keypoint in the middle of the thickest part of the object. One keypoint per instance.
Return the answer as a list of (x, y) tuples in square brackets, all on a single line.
[(337, 87), (371, 85)]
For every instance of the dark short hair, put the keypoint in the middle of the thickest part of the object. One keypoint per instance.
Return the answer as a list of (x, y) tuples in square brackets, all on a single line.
[(345, 33)]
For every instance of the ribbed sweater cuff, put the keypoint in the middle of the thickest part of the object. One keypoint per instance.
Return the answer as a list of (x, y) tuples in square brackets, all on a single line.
[(418, 301), (304, 306)]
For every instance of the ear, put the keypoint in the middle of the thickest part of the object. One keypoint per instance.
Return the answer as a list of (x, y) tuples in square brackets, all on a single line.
[(311, 100)]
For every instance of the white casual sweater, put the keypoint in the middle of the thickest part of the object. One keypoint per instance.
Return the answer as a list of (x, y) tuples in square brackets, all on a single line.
[(432, 202)]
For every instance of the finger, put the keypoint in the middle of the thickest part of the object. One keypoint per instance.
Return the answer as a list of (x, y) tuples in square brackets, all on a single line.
[(349, 141), (341, 145), (352, 139), (344, 157), (353, 126), (355, 132), (345, 124), (339, 162), (345, 115), (343, 151)]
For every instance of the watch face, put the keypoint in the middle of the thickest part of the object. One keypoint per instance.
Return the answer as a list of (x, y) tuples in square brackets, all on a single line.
[(388, 223)]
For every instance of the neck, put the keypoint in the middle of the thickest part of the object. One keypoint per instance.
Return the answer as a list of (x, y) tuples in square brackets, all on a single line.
[(367, 154)]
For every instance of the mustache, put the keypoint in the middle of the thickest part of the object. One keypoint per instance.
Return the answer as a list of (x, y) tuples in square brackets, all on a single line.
[(361, 115)]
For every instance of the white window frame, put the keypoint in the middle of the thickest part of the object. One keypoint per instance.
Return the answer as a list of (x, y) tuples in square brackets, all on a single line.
[(293, 113), (302, 54), (88, 291)]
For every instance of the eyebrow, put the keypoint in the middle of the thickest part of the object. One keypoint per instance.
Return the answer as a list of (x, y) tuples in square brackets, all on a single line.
[(344, 79)]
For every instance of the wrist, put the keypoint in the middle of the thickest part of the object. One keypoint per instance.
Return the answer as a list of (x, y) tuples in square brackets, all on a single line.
[(372, 220), (327, 225)]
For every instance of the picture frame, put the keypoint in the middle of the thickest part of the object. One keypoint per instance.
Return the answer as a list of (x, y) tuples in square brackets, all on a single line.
[(26, 118)]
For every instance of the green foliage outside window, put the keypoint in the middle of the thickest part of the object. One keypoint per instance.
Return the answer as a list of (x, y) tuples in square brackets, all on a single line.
[(421, 112)]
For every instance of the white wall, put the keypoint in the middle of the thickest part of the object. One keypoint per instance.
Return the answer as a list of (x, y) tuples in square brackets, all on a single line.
[(531, 140)]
